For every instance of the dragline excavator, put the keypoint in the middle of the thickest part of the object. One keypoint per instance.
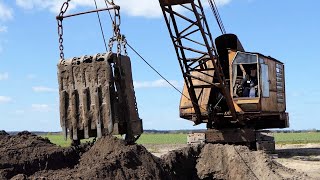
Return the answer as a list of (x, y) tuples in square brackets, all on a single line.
[(235, 93)]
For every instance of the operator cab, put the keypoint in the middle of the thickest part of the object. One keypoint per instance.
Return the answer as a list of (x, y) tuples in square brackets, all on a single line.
[(245, 81), (256, 82)]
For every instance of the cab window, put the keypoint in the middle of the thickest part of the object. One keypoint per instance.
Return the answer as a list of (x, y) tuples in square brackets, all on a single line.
[(245, 79)]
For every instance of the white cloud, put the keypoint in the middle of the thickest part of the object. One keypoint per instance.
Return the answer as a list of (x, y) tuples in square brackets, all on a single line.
[(41, 107), (3, 29), (5, 99), (4, 76), (6, 13), (40, 89), (156, 84), (54, 5), (146, 8)]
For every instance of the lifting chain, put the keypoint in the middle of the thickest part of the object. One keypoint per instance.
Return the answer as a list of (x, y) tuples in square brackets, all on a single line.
[(117, 36), (59, 18)]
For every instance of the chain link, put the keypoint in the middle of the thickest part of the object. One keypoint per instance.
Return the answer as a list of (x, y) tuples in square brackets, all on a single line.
[(110, 44), (124, 45), (59, 18), (117, 36)]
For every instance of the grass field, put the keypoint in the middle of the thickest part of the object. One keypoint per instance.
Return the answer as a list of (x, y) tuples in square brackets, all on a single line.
[(281, 138), (144, 139), (297, 138)]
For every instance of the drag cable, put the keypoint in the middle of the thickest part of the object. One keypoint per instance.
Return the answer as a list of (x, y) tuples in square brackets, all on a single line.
[(245, 163), (163, 76), (104, 39)]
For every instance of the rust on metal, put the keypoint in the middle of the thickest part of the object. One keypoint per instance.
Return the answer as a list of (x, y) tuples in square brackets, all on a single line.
[(174, 2), (194, 61), (87, 12), (95, 99)]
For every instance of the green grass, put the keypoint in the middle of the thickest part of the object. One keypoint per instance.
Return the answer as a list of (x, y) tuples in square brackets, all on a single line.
[(144, 139), (162, 139), (59, 140), (281, 138), (297, 138)]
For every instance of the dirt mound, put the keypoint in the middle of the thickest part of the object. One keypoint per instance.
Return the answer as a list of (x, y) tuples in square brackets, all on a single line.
[(234, 162), (27, 156), (3, 133), (182, 163), (111, 158), (26, 153), (216, 161)]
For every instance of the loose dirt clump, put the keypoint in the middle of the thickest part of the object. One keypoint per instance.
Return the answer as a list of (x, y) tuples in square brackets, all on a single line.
[(216, 161), (27, 156), (26, 153), (111, 158), (182, 162), (234, 162), (3, 133)]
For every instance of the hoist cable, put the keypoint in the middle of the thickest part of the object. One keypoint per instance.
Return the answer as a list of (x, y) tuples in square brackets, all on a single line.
[(104, 39), (224, 30), (216, 13), (145, 60), (109, 11), (218, 16)]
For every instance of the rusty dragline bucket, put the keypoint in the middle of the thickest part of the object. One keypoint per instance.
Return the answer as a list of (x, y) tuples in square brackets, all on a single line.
[(97, 97)]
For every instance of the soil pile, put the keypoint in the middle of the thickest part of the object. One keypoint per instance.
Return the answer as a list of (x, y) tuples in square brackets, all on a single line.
[(27, 153), (216, 161), (111, 158), (26, 156)]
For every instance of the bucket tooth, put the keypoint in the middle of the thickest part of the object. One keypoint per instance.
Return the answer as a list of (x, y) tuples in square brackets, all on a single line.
[(63, 113), (74, 114), (85, 111), (97, 97), (107, 112), (97, 111)]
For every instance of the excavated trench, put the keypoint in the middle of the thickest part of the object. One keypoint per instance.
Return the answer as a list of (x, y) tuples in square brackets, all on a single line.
[(27, 156)]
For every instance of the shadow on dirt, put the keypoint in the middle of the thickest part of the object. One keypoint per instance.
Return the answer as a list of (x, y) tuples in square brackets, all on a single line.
[(308, 153)]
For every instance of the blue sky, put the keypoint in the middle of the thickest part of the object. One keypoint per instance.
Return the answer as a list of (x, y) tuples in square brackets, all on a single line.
[(286, 30)]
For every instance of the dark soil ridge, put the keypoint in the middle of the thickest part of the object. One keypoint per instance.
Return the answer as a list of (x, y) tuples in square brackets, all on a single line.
[(112, 158), (26, 156), (26, 153)]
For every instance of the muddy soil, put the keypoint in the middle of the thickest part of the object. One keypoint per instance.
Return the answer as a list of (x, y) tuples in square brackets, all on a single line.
[(111, 158), (27, 153), (216, 161), (26, 156)]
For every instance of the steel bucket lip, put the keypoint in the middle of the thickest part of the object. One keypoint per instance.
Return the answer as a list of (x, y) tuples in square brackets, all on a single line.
[(75, 68)]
